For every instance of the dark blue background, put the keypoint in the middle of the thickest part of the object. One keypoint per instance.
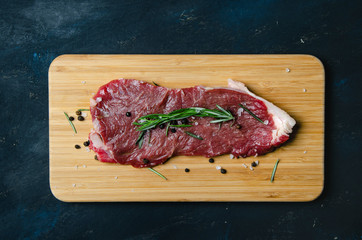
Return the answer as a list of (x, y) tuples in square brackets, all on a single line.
[(33, 33)]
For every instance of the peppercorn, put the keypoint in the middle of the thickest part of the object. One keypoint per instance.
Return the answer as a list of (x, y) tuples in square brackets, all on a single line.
[(223, 171), (187, 170), (86, 143), (95, 157), (80, 118), (71, 118), (128, 114), (77, 146), (253, 164), (237, 126), (173, 130), (211, 160), (78, 112), (146, 161), (184, 121), (162, 126), (173, 122)]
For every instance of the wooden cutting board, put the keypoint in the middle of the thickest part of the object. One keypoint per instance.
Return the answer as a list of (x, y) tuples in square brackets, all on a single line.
[(295, 83)]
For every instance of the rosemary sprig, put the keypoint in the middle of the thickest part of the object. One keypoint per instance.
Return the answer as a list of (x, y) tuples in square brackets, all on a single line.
[(155, 84), (139, 140), (159, 174), (70, 122), (152, 120), (274, 170), (83, 109), (252, 114), (194, 135)]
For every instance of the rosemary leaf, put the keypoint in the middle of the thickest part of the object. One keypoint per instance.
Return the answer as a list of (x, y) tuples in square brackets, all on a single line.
[(274, 170), (181, 125), (139, 140), (70, 122), (194, 135), (168, 126), (252, 114), (83, 109), (159, 174)]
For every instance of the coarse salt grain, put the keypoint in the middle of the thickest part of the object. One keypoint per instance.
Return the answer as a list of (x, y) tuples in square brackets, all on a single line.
[(301, 40), (174, 166), (196, 123), (231, 156), (287, 70), (115, 177), (83, 82), (304, 90), (74, 185), (98, 99), (87, 149), (84, 166), (256, 155), (257, 162), (266, 122), (240, 110), (84, 114), (251, 168), (218, 167), (244, 165), (305, 152)]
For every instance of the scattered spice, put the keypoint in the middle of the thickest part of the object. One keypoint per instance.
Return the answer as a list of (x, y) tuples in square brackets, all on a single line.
[(71, 118), (70, 122), (274, 170), (211, 160), (128, 114), (187, 170), (80, 118), (95, 157), (223, 171), (86, 143), (159, 174), (77, 146), (78, 112), (252, 114), (253, 164), (193, 135)]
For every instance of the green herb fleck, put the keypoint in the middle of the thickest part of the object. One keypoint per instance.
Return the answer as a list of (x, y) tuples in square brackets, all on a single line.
[(193, 135), (274, 170), (252, 114), (83, 109), (139, 140), (70, 122), (159, 174)]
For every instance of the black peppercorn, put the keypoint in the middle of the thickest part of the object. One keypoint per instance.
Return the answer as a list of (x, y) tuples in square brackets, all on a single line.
[(128, 114), (78, 112), (71, 118), (162, 126), (211, 160), (184, 121), (77, 146), (80, 118), (223, 171), (173, 130), (146, 161), (86, 143), (173, 122), (253, 164), (95, 157), (187, 170)]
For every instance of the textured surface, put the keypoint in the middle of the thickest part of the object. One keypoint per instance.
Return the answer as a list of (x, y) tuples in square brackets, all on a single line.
[(33, 33), (75, 176)]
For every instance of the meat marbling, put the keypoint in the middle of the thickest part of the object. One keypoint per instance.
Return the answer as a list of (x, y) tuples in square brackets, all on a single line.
[(113, 136)]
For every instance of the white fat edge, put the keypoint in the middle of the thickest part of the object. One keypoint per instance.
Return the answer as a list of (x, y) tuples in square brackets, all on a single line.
[(283, 122), (97, 141)]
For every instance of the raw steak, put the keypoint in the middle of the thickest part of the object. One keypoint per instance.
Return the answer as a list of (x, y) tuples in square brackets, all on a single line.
[(114, 136)]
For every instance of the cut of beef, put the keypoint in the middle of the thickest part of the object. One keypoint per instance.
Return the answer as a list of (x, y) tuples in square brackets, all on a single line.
[(121, 102)]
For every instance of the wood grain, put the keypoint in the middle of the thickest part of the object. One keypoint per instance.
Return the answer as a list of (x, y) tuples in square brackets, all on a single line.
[(76, 177)]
